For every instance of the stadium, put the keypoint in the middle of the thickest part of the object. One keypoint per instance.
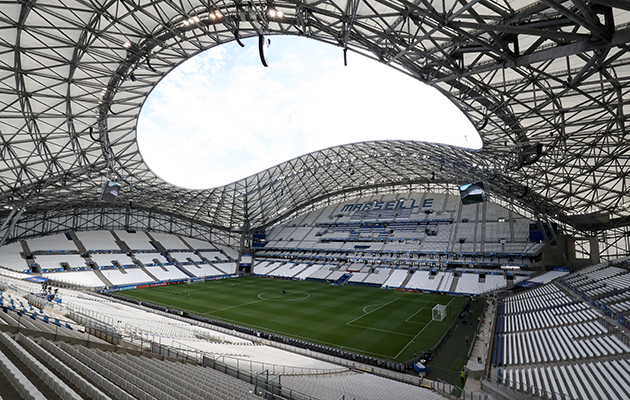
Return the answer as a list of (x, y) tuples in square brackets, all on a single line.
[(389, 269)]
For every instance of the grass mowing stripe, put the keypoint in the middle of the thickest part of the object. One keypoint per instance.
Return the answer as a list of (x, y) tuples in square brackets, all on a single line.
[(316, 312)]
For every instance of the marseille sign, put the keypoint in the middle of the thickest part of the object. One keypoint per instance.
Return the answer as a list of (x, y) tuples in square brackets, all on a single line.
[(389, 205)]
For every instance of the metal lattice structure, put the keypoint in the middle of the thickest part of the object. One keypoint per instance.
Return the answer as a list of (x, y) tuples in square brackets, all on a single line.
[(545, 83)]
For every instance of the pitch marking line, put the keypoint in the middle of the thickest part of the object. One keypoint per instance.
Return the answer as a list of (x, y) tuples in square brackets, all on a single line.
[(370, 305), (380, 330), (308, 339), (230, 307), (414, 314), (284, 297), (368, 313), (418, 334)]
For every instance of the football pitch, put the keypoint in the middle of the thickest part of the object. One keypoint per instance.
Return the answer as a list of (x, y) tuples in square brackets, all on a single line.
[(388, 324)]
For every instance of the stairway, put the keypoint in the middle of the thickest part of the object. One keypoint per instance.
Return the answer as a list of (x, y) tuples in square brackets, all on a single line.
[(150, 274), (454, 284), (407, 279), (184, 270), (101, 276)]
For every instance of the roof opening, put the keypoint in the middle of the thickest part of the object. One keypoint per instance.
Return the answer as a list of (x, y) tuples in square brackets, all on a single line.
[(221, 116)]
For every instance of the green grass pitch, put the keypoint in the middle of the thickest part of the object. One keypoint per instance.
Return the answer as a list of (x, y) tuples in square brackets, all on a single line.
[(387, 324)]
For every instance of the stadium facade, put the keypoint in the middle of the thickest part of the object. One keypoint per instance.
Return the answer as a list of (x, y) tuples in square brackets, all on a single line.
[(544, 83)]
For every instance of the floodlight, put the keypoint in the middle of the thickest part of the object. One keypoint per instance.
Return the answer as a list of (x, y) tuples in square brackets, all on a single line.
[(274, 13)]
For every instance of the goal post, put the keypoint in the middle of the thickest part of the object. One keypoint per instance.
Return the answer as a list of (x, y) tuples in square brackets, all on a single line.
[(439, 312)]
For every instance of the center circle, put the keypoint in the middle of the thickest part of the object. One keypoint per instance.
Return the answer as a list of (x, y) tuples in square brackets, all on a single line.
[(289, 296)]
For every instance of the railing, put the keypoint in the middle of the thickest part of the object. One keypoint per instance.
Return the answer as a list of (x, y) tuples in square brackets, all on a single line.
[(258, 366), (270, 389), (399, 376), (531, 391)]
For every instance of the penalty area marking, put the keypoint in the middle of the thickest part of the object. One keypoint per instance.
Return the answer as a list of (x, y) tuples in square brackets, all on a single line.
[(418, 334), (283, 297), (371, 305), (414, 314)]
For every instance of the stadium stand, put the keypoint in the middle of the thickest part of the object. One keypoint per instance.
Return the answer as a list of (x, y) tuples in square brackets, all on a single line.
[(551, 343), (98, 241), (113, 372), (80, 278), (166, 273), (532, 326), (213, 256), (54, 243), (11, 258), (106, 261), (103, 374), (548, 276), (226, 267), (541, 84), (149, 259), (357, 385), (419, 238), (203, 270), (135, 240), (169, 242), (183, 257), (56, 263)]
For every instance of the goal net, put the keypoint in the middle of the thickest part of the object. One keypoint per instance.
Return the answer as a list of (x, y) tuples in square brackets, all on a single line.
[(439, 312)]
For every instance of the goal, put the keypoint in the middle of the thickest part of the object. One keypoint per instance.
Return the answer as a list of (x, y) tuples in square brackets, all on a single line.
[(439, 312)]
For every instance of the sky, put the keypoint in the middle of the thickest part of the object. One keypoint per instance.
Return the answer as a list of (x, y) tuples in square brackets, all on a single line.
[(222, 116)]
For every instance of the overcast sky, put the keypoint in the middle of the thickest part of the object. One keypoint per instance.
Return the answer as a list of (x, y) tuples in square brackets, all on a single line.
[(222, 116)]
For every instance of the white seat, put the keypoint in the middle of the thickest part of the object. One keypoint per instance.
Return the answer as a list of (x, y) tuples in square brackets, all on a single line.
[(622, 345), (558, 378), (534, 346), (556, 349), (531, 385), (596, 369), (580, 383), (600, 346), (594, 351), (611, 345), (537, 385), (620, 377), (519, 346), (569, 376)]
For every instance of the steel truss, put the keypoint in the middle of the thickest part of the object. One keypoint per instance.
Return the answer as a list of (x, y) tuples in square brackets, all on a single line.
[(545, 83)]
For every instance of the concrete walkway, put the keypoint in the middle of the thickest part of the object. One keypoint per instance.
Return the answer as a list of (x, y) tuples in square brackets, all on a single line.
[(474, 368)]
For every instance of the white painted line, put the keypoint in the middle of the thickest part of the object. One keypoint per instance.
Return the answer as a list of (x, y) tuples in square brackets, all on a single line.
[(377, 308), (414, 338), (414, 314)]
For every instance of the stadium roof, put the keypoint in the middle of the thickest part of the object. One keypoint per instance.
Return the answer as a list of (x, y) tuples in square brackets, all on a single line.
[(545, 83)]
